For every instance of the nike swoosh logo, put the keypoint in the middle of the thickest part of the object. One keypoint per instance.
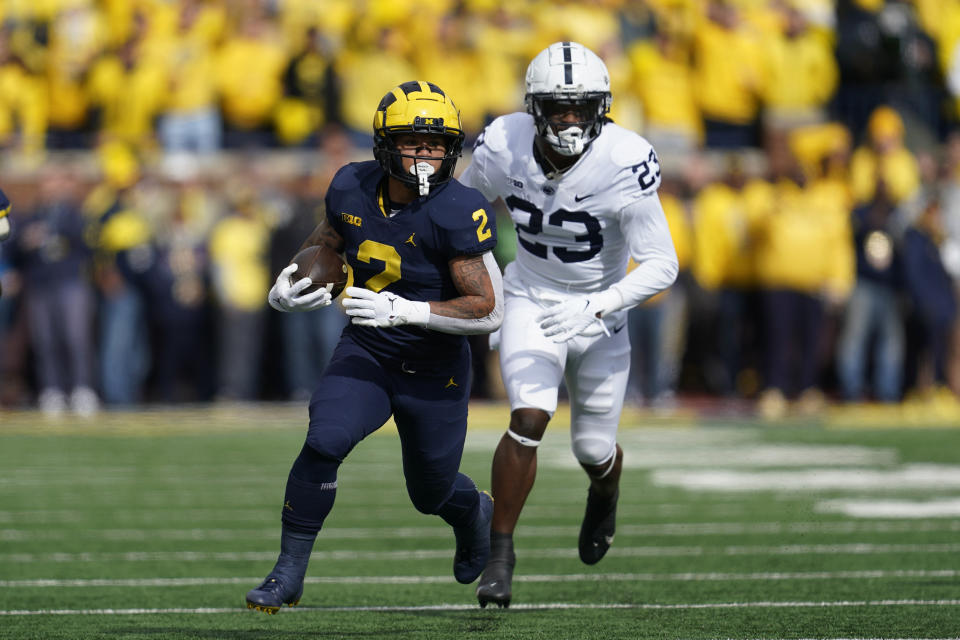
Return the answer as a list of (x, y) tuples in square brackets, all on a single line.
[(579, 198), (620, 328)]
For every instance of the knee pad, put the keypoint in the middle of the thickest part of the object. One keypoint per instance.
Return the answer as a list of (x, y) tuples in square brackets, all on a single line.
[(313, 467), (593, 449), (330, 442)]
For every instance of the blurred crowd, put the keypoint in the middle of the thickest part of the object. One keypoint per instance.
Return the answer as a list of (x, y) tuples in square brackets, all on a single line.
[(167, 157)]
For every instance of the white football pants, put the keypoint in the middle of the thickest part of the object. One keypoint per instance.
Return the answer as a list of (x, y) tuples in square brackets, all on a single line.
[(596, 369)]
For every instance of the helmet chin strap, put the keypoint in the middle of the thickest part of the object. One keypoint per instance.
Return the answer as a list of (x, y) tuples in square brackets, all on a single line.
[(423, 171)]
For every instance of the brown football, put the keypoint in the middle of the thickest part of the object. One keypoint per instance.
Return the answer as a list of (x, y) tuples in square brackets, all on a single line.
[(323, 266)]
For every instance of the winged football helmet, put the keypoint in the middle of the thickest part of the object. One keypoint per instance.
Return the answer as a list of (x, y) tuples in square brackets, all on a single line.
[(416, 107), (566, 76)]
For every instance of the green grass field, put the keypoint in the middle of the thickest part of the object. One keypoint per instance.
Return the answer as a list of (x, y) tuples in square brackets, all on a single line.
[(154, 525)]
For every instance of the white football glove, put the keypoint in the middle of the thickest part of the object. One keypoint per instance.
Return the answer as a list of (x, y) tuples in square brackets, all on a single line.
[(285, 296), (383, 309), (578, 316)]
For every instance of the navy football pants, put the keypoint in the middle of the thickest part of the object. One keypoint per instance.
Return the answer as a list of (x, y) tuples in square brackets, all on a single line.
[(356, 396)]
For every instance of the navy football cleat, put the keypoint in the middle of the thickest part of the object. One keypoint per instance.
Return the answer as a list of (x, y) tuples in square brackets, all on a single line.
[(599, 523), (496, 582), (473, 543), (276, 591)]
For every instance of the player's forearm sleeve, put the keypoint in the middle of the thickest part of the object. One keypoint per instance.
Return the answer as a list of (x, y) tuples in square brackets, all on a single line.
[(469, 326), (648, 237)]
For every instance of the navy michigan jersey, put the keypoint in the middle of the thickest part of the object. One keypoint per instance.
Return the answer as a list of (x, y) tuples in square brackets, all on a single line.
[(408, 252)]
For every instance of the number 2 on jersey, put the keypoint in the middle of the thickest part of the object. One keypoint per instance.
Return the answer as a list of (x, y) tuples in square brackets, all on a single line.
[(483, 232), (372, 250)]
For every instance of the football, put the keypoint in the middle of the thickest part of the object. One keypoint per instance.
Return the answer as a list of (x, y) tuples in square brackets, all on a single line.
[(323, 266)]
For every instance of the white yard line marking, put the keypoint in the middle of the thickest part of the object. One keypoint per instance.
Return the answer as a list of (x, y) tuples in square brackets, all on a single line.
[(537, 578), (474, 607), (939, 477), (943, 508), (426, 554)]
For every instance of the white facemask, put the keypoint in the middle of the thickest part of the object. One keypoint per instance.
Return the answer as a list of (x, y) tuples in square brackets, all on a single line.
[(423, 170), (568, 142)]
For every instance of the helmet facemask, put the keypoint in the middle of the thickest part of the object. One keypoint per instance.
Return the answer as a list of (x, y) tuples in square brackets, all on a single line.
[(421, 174), (568, 137)]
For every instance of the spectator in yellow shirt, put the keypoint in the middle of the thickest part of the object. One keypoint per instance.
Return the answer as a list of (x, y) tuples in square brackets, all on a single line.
[(802, 78), (249, 70), (239, 262), (725, 217), (884, 157), (191, 120), (729, 71), (797, 261), (665, 83), (23, 101), (127, 90)]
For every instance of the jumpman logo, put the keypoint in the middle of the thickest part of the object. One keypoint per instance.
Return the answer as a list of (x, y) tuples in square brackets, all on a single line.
[(410, 239), (451, 383)]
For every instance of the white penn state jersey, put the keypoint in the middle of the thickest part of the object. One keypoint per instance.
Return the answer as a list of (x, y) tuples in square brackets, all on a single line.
[(568, 229)]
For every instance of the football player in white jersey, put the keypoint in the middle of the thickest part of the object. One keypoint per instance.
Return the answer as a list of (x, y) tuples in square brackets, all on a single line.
[(582, 193)]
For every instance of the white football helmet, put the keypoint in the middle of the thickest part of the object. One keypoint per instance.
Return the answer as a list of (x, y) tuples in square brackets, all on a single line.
[(567, 76)]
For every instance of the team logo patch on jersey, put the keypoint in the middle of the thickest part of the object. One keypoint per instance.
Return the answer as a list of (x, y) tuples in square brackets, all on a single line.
[(547, 189), (517, 183), (349, 218)]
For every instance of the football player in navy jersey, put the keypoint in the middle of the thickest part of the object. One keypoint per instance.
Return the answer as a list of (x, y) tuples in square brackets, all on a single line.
[(420, 245), (582, 193)]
